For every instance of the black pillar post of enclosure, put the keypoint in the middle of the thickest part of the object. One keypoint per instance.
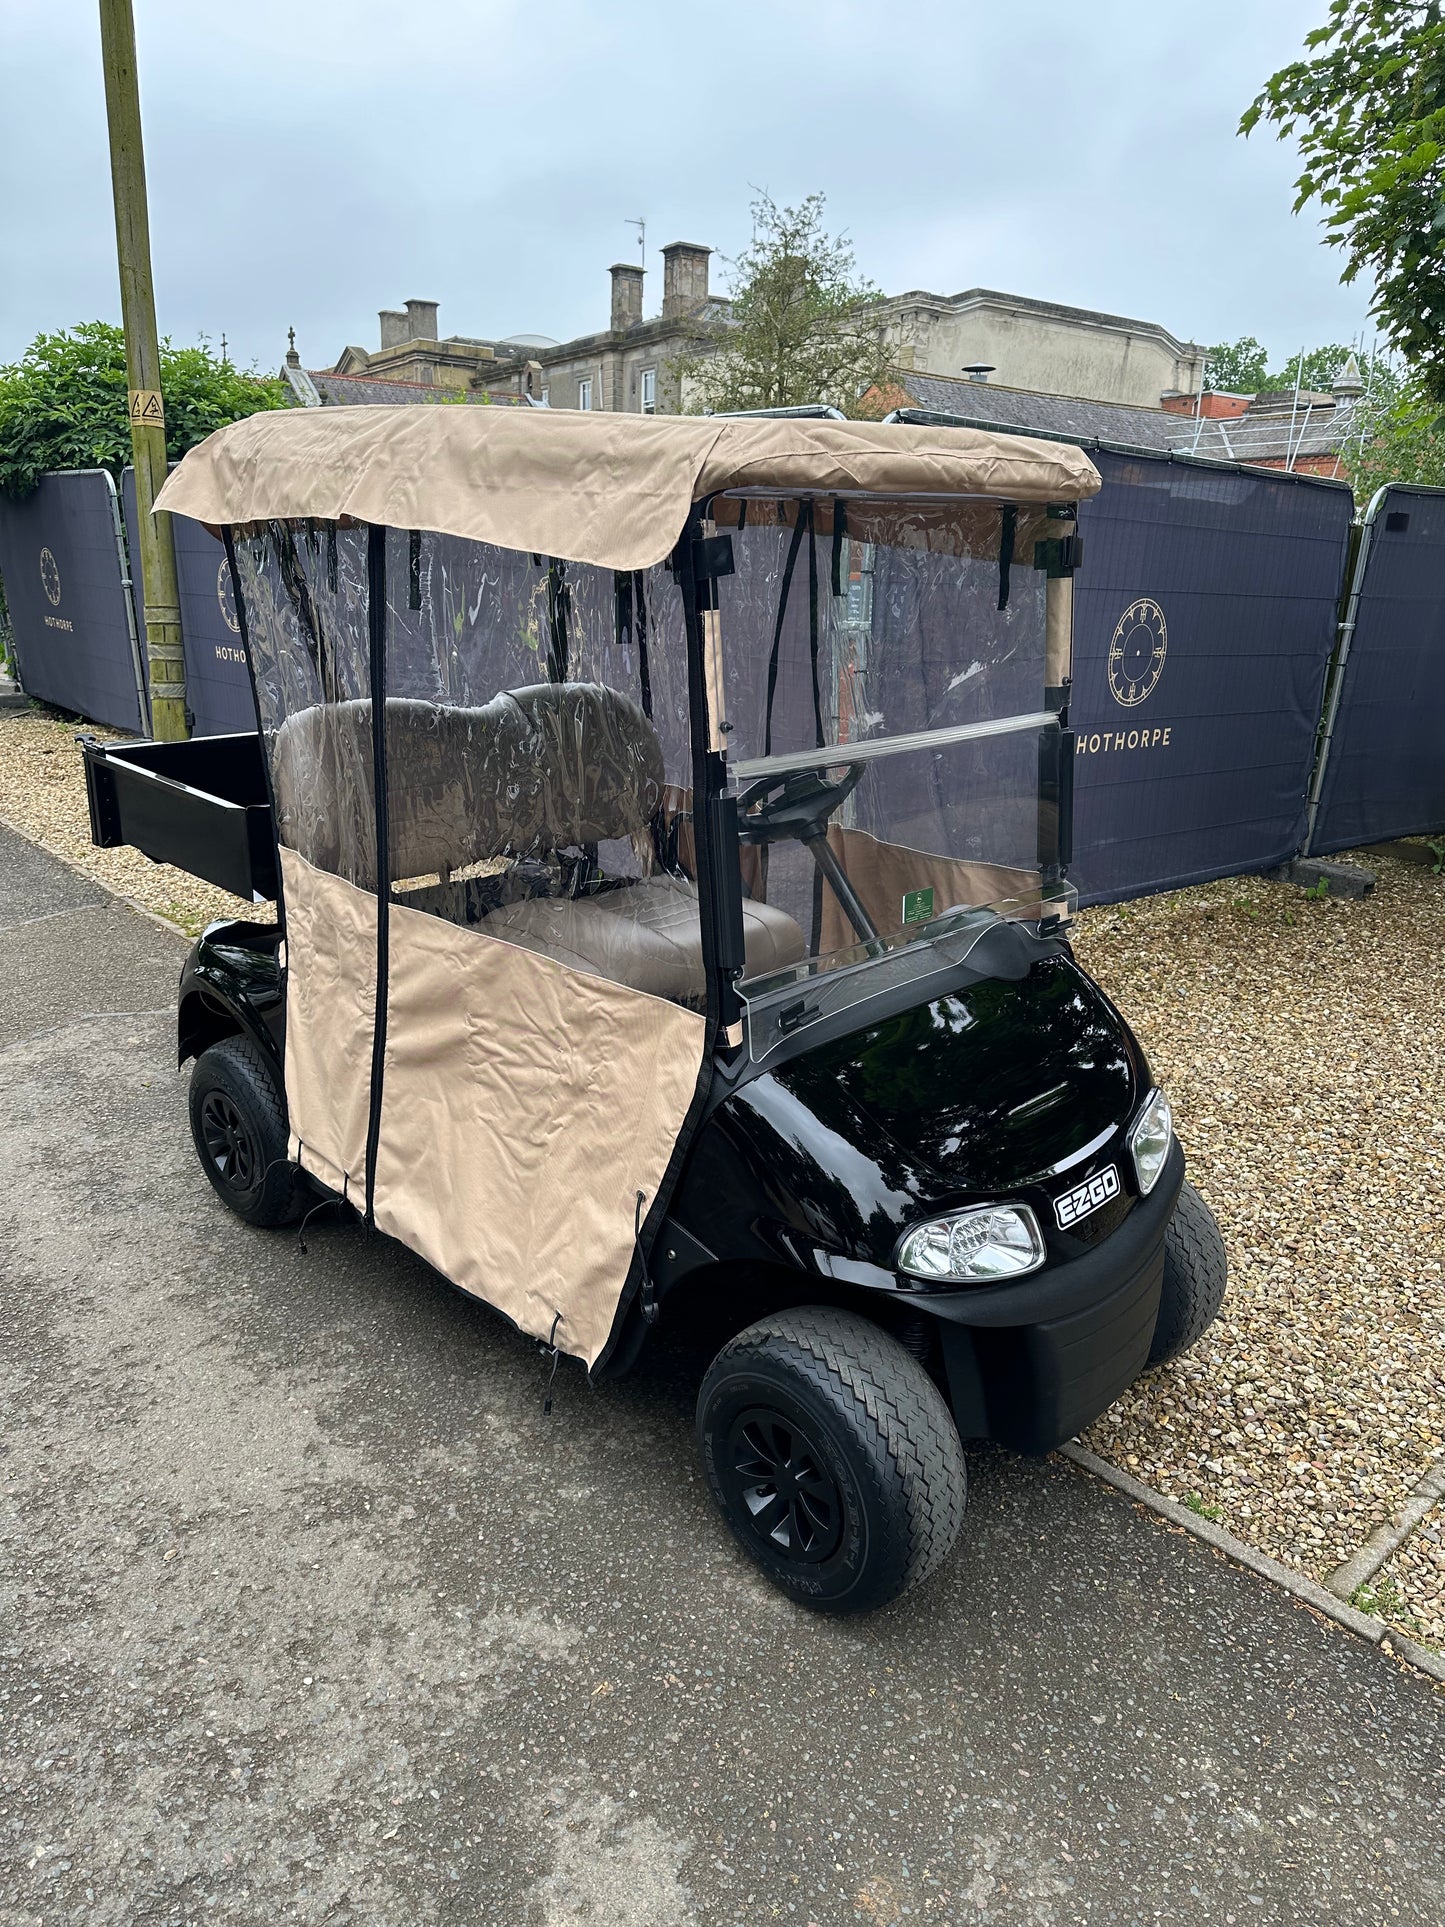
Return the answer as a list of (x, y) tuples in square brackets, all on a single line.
[(714, 812), (1056, 803), (376, 641)]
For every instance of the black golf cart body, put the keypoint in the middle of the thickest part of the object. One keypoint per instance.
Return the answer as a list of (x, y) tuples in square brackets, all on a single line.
[(719, 773)]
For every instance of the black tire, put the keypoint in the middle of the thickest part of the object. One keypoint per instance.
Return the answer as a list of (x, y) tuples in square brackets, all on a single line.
[(1195, 1274), (873, 1477), (239, 1125)]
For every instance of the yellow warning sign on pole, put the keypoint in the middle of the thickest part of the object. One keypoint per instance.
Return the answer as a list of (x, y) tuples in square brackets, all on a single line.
[(145, 405)]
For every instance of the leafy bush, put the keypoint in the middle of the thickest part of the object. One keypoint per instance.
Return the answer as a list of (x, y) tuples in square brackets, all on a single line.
[(65, 403)]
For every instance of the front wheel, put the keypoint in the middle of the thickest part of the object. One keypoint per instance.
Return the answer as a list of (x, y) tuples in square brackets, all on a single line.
[(1195, 1274), (833, 1458), (239, 1126)]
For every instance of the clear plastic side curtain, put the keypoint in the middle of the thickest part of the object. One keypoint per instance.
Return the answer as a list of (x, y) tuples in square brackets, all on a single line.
[(524, 872), (849, 620), (886, 671)]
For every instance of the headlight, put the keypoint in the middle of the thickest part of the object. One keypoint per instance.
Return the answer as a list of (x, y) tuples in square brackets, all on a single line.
[(1149, 1141), (974, 1247)]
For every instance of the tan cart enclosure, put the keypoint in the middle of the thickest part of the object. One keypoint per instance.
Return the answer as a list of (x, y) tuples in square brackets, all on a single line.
[(528, 686)]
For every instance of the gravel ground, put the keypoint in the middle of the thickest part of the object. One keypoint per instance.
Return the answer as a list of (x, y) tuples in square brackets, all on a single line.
[(1299, 1043), (42, 794)]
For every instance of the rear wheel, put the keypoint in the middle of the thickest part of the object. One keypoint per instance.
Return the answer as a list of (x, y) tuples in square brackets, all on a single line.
[(833, 1458), (239, 1126), (1195, 1274)]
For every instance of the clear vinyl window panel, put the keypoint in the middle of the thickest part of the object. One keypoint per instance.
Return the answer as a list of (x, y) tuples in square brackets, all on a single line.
[(861, 857), (850, 620), (538, 755), (537, 741), (304, 594)]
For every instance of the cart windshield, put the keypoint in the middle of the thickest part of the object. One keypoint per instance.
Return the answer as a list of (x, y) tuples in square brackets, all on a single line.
[(891, 721)]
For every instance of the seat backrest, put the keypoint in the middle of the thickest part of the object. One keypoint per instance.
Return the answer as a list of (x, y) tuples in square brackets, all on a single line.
[(553, 766)]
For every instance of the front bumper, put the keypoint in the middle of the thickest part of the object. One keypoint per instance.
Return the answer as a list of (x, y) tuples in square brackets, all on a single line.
[(1031, 1364)]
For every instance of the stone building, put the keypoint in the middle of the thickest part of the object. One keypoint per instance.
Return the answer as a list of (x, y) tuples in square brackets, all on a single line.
[(631, 365), (1042, 346)]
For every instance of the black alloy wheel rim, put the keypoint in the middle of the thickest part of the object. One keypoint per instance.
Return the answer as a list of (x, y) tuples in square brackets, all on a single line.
[(781, 1487), (228, 1143)]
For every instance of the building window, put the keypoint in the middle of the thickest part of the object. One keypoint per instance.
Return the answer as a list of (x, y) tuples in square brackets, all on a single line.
[(584, 392), (649, 391)]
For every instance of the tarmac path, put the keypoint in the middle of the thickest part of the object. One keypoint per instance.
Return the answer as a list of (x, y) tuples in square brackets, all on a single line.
[(307, 1614)]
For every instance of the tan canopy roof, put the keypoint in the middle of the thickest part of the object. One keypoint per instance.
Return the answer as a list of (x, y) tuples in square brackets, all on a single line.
[(609, 489)]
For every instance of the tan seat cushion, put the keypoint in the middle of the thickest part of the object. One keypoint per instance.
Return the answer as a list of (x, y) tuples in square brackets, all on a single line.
[(647, 935)]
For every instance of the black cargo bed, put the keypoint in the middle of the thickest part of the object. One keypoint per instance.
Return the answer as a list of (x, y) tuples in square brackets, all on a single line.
[(201, 805)]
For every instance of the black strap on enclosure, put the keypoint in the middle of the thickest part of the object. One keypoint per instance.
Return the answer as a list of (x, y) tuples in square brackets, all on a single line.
[(298, 594), (413, 598), (1006, 551), (622, 599), (331, 557), (376, 637), (742, 513), (622, 607), (630, 607), (840, 535), (559, 603), (639, 613), (805, 510)]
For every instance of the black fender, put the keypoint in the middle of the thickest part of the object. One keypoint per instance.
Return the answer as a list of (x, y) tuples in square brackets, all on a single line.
[(232, 984)]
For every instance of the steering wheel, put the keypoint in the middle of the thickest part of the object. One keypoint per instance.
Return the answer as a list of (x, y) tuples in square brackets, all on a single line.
[(801, 803)]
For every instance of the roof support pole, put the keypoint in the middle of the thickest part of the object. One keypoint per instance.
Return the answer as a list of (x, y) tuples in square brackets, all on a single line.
[(169, 716)]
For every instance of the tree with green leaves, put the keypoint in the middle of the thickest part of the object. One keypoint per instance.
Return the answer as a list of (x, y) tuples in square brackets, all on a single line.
[(1367, 107), (1242, 367), (64, 404), (800, 327), (1236, 367), (1401, 439)]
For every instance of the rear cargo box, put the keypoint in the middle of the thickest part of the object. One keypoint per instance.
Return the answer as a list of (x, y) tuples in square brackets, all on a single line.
[(201, 805)]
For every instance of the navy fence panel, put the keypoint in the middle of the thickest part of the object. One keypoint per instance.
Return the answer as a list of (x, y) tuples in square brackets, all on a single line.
[(218, 685), (1383, 770), (67, 599), (1205, 616)]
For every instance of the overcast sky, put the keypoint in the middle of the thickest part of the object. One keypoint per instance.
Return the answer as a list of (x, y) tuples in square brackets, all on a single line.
[(311, 162)]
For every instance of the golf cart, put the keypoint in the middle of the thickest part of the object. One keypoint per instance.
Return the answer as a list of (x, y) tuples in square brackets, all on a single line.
[(670, 822)]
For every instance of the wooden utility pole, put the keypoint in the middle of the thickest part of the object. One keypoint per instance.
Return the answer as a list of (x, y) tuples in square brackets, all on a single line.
[(143, 373)]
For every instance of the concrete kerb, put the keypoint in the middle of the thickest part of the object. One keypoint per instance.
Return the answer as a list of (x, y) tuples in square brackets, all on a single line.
[(1336, 879), (1347, 1578), (1298, 1585)]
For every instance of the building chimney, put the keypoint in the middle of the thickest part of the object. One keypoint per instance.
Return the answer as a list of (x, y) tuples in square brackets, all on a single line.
[(421, 320), (627, 295), (393, 327), (684, 277)]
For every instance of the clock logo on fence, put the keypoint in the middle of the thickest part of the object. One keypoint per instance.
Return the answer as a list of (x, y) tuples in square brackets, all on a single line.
[(226, 596), (1137, 650), (50, 577)]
